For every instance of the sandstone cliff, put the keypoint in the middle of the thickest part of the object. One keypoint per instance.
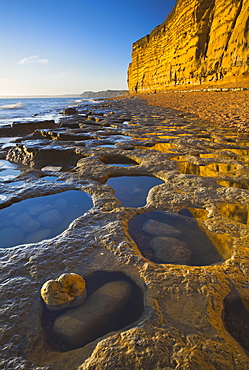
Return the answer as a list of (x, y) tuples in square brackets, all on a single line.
[(200, 41)]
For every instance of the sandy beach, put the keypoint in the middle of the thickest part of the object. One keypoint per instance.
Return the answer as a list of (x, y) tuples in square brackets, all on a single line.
[(222, 107)]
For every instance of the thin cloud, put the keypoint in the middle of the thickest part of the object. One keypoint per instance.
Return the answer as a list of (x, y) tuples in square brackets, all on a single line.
[(33, 59), (63, 74)]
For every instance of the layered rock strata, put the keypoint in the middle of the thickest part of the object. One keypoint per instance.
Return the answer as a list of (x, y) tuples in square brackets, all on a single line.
[(201, 41)]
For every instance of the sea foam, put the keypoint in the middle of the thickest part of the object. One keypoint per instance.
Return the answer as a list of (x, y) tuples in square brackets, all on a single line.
[(12, 106)]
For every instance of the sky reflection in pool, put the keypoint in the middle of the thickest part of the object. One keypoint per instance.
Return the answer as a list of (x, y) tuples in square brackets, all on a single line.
[(132, 191), (36, 219), (52, 179), (8, 170), (107, 146), (120, 165)]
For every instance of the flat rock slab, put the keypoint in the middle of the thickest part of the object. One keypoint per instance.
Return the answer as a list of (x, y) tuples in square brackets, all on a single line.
[(157, 228), (85, 323), (170, 250), (25, 128)]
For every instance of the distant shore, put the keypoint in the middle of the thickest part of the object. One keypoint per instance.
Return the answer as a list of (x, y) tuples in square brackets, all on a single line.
[(222, 107)]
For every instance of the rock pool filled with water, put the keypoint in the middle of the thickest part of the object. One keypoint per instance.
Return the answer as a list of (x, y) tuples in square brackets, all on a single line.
[(39, 218), (161, 239)]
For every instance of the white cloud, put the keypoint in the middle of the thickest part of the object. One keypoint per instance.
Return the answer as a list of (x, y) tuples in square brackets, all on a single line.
[(34, 59)]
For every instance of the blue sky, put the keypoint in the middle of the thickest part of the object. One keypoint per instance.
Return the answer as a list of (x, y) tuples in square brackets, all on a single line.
[(66, 47)]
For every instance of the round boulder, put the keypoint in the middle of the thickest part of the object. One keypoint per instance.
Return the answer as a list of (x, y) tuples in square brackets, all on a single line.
[(67, 290), (170, 250)]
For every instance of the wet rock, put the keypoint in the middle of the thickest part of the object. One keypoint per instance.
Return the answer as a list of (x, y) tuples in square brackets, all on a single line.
[(156, 228), (67, 290), (83, 324), (10, 236), (37, 209), (38, 155), (51, 218), (26, 223), (69, 111), (38, 236), (170, 250), (21, 128)]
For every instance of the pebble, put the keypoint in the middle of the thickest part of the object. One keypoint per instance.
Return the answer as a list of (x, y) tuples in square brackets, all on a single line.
[(85, 323), (51, 218), (156, 228), (36, 210), (170, 250)]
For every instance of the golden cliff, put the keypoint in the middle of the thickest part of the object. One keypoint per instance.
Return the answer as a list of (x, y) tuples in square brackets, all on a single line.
[(201, 41)]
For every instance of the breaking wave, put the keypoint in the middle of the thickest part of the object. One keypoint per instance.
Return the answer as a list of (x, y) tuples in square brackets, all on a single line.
[(84, 101), (12, 106)]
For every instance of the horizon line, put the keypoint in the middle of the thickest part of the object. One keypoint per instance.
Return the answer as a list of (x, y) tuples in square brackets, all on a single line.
[(40, 96)]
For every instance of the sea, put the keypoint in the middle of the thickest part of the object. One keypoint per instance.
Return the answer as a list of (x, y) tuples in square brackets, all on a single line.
[(38, 109)]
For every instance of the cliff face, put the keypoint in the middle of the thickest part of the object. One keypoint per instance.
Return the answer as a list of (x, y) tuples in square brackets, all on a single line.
[(200, 41)]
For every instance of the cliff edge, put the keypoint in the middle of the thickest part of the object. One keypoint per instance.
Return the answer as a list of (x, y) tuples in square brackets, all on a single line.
[(201, 41)]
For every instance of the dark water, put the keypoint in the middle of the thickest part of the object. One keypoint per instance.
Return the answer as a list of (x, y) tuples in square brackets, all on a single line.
[(203, 251), (132, 191), (236, 318), (36, 219), (8, 170), (129, 313)]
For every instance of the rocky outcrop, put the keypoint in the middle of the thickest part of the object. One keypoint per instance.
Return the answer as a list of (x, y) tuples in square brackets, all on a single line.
[(201, 41), (22, 128)]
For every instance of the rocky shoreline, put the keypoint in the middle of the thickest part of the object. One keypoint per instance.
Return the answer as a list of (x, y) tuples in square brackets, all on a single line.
[(189, 310)]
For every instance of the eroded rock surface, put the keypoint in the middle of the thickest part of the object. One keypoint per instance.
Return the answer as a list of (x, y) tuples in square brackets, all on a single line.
[(204, 169)]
